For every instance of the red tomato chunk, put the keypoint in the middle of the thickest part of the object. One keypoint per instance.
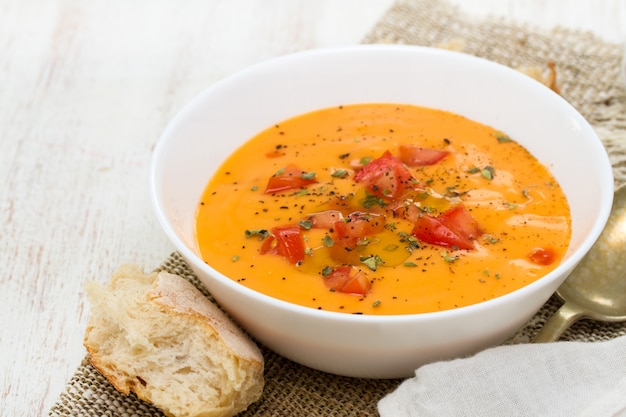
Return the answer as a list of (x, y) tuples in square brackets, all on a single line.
[(415, 156), (453, 228), (542, 256), (386, 176), (289, 178), (286, 241), (348, 280)]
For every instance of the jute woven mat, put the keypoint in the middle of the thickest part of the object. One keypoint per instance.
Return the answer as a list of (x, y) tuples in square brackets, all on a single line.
[(589, 78)]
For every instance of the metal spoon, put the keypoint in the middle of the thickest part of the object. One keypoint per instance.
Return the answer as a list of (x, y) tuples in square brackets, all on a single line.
[(596, 289)]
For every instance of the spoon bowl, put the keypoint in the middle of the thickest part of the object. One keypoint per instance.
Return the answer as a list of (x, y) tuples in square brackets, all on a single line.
[(596, 289)]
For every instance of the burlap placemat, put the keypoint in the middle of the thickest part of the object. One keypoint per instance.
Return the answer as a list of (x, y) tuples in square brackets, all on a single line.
[(589, 77)]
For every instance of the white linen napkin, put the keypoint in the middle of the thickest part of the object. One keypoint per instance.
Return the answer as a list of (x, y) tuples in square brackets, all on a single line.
[(553, 379)]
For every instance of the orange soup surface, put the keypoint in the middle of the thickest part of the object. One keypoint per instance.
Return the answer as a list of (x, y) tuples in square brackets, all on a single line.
[(383, 209)]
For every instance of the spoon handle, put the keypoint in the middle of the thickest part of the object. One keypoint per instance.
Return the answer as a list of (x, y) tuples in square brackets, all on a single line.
[(556, 325)]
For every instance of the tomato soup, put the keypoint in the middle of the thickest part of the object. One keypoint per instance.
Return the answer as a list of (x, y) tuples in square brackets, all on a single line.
[(383, 209)]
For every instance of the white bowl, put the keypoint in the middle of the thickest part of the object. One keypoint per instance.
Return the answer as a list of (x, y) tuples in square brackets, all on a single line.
[(230, 112)]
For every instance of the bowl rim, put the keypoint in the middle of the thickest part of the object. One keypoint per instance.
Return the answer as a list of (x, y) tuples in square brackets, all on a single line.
[(292, 308)]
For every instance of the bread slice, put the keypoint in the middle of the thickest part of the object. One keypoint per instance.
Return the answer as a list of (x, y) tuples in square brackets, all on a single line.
[(158, 336)]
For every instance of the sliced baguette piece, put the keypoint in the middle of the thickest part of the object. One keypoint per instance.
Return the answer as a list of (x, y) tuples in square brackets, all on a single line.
[(158, 336)]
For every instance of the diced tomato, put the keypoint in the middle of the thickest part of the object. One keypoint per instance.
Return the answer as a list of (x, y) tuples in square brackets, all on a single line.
[(338, 277), (357, 225), (542, 256), (286, 241), (459, 219), (429, 229), (325, 219), (357, 284), (354, 229), (454, 228), (289, 178), (409, 212), (348, 280), (415, 156), (386, 176)]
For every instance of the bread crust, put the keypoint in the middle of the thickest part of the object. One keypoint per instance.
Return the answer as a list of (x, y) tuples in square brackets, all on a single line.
[(139, 322)]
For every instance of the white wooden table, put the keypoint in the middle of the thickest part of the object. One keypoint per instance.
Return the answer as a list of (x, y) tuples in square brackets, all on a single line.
[(85, 89)]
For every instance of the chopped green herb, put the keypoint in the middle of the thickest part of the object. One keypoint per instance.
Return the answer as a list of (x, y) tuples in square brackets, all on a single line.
[(391, 226), (326, 271), (254, 187), (473, 170), (510, 206), (410, 264), (452, 192), (306, 224), (261, 233), (412, 240), (339, 173), (376, 303), (280, 171), (372, 262), (490, 239), (448, 258), (328, 241), (390, 248), (365, 160), (488, 172), (235, 258), (525, 193), (502, 138), (371, 200), (308, 175)]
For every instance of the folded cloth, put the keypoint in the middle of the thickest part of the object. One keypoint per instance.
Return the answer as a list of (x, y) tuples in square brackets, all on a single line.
[(551, 379)]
